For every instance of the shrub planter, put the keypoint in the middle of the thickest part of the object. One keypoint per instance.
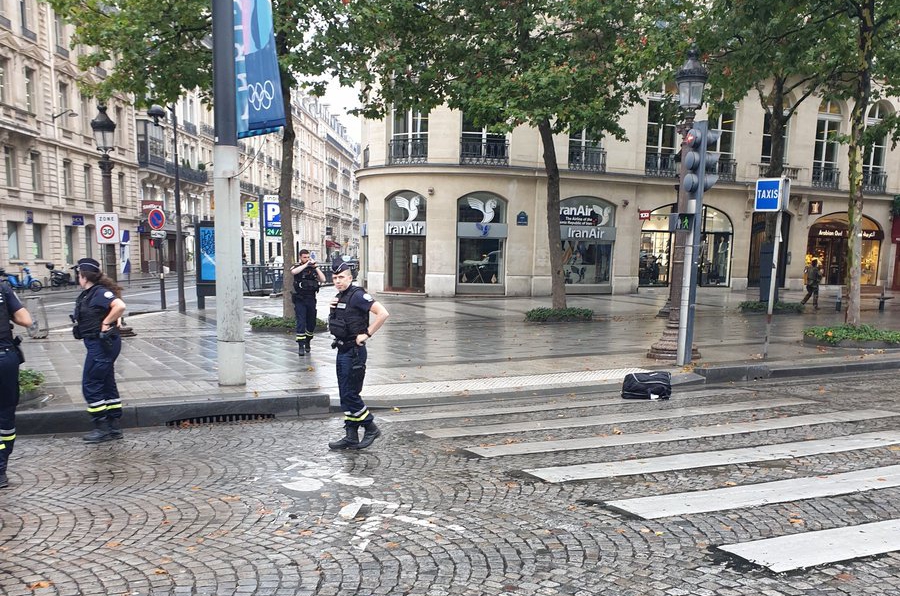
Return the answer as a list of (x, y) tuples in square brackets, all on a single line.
[(849, 336), (852, 344), (266, 323), (31, 383), (559, 315), (781, 308)]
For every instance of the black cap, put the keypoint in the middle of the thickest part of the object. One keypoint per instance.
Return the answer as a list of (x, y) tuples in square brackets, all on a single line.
[(88, 265), (339, 265)]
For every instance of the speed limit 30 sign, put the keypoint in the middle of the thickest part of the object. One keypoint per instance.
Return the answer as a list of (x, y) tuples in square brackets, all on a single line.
[(107, 228)]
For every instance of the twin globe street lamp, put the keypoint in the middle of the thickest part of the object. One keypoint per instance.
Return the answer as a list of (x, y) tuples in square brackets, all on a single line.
[(691, 79), (104, 136)]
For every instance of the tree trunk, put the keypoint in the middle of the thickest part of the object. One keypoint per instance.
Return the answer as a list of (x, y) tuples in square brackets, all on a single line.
[(285, 186), (857, 126), (557, 277), (777, 124)]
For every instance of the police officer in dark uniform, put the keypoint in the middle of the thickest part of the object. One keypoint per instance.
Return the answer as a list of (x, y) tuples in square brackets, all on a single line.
[(349, 323), (97, 312), (11, 311), (307, 277)]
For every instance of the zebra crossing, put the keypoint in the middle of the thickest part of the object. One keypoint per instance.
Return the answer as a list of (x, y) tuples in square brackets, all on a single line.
[(518, 433)]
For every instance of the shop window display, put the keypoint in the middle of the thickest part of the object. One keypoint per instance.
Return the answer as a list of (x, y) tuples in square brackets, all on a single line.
[(481, 230), (828, 243)]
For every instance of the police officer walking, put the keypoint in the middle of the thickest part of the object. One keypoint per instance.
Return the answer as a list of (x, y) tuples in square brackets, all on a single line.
[(349, 323), (307, 277), (97, 312), (11, 311)]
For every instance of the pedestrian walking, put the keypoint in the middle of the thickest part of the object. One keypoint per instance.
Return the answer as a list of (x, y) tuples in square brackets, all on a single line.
[(813, 278), (96, 321), (11, 311), (307, 279), (349, 322)]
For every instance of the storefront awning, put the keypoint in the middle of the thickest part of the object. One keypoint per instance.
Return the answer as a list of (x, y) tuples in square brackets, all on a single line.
[(332, 244)]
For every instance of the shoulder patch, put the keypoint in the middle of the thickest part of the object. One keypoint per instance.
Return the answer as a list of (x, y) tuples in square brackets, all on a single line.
[(108, 294), (368, 297)]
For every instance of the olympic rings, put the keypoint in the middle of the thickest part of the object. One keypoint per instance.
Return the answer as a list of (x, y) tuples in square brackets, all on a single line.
[(261, 95)]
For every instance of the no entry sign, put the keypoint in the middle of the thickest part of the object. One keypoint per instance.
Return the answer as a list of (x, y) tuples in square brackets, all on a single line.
[(107, 228)]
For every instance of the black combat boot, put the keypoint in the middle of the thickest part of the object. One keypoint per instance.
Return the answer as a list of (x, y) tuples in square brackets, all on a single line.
[(101, 432), (372, 433), (301, 346), (4, 481), (306, 344), (350, 440), (115, 430)]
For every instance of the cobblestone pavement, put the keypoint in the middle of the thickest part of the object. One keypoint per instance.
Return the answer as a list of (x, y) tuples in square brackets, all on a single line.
[(265, 508)]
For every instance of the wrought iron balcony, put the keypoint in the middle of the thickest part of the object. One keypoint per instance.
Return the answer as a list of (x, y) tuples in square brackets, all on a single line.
[(188, 174), (874, 180), (661, 165), (402, 151), (726, 170), (490, 152), (206, 129), (825, 176), (587, 159), (189, 127), (792, 172)]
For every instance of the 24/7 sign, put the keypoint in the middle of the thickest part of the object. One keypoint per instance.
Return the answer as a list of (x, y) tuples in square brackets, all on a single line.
[(272, 219), (107, 228)]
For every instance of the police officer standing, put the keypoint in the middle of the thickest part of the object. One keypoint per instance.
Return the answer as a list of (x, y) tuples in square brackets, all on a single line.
[(11, 311), (349, 323), (97, 312), (307, 277)]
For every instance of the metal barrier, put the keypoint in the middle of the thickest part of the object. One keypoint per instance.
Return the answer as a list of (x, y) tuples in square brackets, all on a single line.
[(41, 327), (262, 279)]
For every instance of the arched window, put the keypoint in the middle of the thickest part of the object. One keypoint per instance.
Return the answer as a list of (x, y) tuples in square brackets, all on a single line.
[(874, 176), (828, 125), (481, 231)]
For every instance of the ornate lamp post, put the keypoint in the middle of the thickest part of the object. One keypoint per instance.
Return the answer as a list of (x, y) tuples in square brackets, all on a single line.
[(104, 136), (691, 80), (156, 112)]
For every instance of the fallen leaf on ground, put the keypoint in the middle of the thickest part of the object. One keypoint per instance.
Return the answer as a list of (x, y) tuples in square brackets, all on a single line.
[(40, 584)]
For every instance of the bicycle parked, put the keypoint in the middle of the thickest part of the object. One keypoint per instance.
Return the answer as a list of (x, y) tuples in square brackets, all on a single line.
[(27, 281)]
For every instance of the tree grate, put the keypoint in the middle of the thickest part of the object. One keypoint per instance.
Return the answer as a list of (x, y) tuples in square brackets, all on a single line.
[(219, 419)]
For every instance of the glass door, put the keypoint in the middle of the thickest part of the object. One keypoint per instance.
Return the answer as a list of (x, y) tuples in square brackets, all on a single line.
[(406, 263)]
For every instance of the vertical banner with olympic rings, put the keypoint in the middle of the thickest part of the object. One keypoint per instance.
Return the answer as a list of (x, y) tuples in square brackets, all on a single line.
[(260, 109)]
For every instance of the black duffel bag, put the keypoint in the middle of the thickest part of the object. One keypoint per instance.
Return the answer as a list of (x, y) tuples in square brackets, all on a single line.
[(649, 385)]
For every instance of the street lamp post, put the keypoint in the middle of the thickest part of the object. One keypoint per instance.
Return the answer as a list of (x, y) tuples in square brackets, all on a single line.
[(156, 112), (691, 80), (104, 136)]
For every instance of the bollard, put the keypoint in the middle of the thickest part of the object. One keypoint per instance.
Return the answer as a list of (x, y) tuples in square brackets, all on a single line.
[(40, 329)]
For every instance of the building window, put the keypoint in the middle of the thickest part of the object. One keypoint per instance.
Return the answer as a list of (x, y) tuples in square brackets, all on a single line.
[(69, 245), (481, 232), (89, 242), (478, 146), (86, 111), (37, 234), (88, 184), (122, 189), (874, 176), (4, 69), (660, 151), (68, 179), (37, 179), (825, 172), (63, 96), (766, 155), (121, 128), (409, 137), (29, 90), (585, 151), (23, 11), (725, 146), (9, 166), (59, 29), (12, 239)]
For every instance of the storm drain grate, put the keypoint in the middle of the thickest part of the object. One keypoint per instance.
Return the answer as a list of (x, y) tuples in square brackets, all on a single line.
[(219, 419)]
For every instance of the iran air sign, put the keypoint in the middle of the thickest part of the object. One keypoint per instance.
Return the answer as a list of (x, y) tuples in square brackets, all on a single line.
[(772, 194)]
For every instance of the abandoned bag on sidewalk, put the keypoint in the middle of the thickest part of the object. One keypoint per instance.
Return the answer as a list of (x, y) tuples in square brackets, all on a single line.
[(649, 385)]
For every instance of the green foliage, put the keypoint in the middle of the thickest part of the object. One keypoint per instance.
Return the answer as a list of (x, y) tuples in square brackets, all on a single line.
[(556, 315), (29, 380), (782, 307), (838, 333), (286, 324)]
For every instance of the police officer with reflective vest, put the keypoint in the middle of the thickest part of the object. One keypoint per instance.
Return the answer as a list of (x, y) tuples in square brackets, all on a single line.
[(96, 321), (11, 311), (349, 323), (307, 277)]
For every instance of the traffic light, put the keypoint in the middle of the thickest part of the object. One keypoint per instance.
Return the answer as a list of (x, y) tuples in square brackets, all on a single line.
[(153, 243), (701, 166)]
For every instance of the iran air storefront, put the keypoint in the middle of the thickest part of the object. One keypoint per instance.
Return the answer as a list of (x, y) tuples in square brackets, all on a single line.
[(588, 234)]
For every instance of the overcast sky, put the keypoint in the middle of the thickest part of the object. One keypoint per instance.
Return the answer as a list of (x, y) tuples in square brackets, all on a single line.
[(340, 99)]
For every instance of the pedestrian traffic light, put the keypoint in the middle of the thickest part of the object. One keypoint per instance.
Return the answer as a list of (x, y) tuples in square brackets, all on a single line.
[(152, 243)]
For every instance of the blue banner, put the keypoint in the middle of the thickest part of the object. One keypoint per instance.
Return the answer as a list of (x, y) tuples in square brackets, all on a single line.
[(260, 109)]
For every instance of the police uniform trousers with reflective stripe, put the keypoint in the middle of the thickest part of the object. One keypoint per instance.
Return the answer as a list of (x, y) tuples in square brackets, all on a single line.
[(98, 380), (9, 399), (305, 313), (350, 384)]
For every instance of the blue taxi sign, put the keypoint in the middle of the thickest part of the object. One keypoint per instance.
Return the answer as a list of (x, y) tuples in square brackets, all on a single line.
[(771, 194)]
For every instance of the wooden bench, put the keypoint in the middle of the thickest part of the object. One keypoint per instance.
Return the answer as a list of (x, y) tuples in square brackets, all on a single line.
[(865, 293)]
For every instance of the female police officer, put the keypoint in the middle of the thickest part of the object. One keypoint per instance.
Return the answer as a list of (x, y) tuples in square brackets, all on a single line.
[(349, 323), (97, 312), (11, 311)]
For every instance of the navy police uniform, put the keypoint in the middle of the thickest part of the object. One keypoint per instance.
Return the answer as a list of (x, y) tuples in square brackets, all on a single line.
[(98, 381), (306, 286), (9, 376)]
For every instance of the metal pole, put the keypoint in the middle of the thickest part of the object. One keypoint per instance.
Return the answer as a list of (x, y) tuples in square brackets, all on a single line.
[(109, 250), (229, 296), (179, 235), (262, 231), (162, 274), (772, 282)]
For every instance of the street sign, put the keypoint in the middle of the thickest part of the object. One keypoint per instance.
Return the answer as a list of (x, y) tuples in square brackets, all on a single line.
[(77, 220), (251, 210), (272, 218), (157, 234), (643, 214), (156, 219), (681, 222), (771, 194), (107, 228)]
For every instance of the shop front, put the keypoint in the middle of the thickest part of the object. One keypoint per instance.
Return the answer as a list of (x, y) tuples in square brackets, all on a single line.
[(404, 232), (657, 246), (481, 231), (828, 243), (588, 233)]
